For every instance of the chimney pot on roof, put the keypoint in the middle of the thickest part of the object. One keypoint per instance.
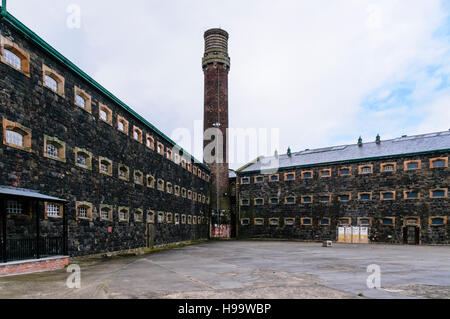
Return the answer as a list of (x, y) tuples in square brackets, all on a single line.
[(276, 154), (360, 141), (378, 139), (289, 153)]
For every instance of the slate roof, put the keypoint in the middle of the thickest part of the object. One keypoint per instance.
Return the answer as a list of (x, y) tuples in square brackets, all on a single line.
[(27, 193), (387, 148), (231, 173)]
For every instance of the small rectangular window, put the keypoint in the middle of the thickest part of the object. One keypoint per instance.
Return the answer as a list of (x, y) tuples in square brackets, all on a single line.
[(438, 193), (325, 173), (307, 174), (387, 195), (439, 162), (274, 178), (245, 180), (365, 196), (365, 169), (308, 199), (412, 165), (289, 176), (344, 171)]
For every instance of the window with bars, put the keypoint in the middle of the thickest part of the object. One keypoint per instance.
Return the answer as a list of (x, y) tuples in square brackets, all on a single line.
[(14, 137), (105, 213), (52, 150), (12, 59), (80, 101), (51, 83), (388, 168), (82, 159), (53, 210), (83, 212), (123, 214), (14, 207)]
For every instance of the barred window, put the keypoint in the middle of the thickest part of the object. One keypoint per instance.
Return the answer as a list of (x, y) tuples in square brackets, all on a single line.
[(123, 214), (104, 213), (14, 207), (52, 150), (80, 101), (53, 210), (103, 115), (82, 212), (12, 59), (51, 83), (82, 159), (388, 168), (14, 137)]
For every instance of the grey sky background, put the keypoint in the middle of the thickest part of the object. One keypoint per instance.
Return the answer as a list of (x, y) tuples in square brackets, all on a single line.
[(324, 72)]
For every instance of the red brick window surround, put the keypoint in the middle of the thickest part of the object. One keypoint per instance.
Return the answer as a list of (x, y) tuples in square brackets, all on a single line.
[(122, 125), (83, 158), (245, 202), (388, 167), (439, 193), (54, 149), (387, 195), (345, 197), (436, 221), (105, 114), (307, 174), (345, 171), (325, 198), (439, 162), (160, 185), (160, 148), (411, 195), (290, 200), (83, 211), (138, 215), (258, 221), (306, 221), (150, 142), (106, 212), (151, 181), (289, 221), (307, 199), (258, 201), (289, 176), (123, 172), (82, 99), (53, 210), (14, 56), (124, 214), (365, 169), (412, 165), (169, 154), (258, 179), (161, 218), (364, 196), (325, 173), (137, 134), (16, 135), (53, 81), (105, 166), (138, 177), (274, 221)]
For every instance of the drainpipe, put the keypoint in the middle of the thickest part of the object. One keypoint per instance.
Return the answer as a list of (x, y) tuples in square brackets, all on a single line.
[(3, 12)]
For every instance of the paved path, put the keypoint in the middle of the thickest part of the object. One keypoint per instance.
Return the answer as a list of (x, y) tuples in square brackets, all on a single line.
[(251, 269)]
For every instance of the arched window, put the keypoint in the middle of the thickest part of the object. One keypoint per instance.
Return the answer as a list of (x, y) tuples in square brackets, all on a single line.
[(150, 217), (124, 172), (105, 212), (12, 58), (16, 135)]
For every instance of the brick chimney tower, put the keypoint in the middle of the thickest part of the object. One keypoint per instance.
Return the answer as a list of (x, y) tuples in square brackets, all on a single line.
[(216, 65)]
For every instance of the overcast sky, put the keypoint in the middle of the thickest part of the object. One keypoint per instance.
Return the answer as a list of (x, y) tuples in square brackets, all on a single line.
[(323, 71)]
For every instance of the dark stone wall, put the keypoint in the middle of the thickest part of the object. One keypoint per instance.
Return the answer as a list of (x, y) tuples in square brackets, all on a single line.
[(422, 180), (25, 100)]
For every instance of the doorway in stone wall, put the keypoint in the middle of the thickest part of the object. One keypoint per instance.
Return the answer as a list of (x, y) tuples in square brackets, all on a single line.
[(150, 235), (411, 235)]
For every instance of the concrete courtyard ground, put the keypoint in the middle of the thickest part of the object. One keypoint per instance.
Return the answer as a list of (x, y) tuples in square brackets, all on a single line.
[(250, 269)]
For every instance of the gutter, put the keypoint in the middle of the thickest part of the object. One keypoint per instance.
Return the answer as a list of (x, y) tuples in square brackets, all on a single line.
[(29, 34)]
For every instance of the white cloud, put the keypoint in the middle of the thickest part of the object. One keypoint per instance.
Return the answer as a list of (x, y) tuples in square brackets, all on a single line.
[(302, 66)]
